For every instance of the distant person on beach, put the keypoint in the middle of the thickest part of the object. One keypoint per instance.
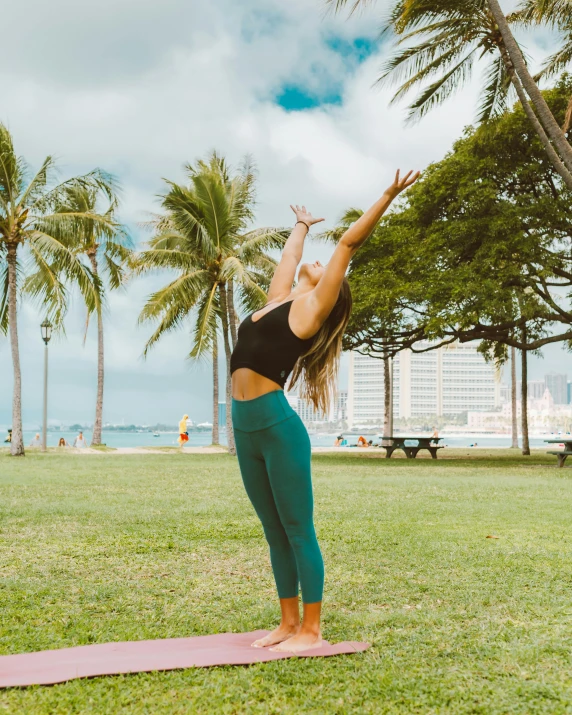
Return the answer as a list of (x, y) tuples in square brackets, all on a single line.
[(80, 441), (183, 431), (36, 442), (362, 442), (8, 437), (435, 435), (298, 331), (62, 443), (338, 442)]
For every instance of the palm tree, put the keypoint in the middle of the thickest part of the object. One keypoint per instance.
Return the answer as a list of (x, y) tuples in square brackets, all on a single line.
[(34, 233), (106, 247), (558, 15), (203, 237), (442, 39)]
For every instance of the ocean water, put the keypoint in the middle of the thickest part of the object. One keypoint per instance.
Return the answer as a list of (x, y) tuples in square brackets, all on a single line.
[(201, 439)]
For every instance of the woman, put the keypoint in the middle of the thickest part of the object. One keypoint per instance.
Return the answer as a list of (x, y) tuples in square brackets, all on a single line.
[(298, 330)]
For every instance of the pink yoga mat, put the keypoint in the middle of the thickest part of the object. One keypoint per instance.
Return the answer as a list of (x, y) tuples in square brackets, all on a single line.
[(56, 666)]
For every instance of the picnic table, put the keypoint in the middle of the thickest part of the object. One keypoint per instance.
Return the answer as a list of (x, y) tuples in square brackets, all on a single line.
[(563, 453), (428, 443)]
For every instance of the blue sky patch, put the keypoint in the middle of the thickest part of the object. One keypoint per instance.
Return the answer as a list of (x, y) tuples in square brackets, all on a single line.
[(296, 99), (357, 50), (299, 97)]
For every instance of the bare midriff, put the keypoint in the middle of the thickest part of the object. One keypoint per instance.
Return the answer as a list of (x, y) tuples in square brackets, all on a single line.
[(247, 384)]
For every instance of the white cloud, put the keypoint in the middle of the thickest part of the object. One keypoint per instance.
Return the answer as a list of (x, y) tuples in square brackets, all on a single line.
[(139, 88)]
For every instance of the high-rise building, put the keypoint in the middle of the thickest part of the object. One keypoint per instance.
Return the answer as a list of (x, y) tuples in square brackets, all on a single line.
[(535, 389), (505, 393), (569, 393), (557, 383), (310, 415), (447, 381)]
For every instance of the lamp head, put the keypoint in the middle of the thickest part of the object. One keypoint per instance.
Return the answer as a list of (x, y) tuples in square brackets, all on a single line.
[(46, 327)]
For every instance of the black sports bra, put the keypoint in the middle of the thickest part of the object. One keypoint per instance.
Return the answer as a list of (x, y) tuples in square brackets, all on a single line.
[(268, 346)]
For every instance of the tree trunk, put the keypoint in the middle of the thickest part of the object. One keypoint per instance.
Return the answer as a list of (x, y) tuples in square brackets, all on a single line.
[(386, 397), (524, 396), (545, 115), (17, 444), (232, 314), (568, 118), (513, 391), (97, 425), (215, 437), (227, 351), (391, 410), (529, 111)]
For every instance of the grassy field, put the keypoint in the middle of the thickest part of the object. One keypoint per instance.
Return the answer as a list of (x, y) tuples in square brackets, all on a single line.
[(116, 547)]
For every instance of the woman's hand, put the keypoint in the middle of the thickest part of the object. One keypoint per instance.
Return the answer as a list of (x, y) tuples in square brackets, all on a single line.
[(400, 184), (305, 216)]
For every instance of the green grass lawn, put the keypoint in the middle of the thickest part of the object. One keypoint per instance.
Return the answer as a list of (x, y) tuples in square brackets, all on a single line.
[(121, 547)]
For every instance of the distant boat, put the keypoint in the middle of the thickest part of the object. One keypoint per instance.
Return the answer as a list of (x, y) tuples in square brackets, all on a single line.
[(156, 434)]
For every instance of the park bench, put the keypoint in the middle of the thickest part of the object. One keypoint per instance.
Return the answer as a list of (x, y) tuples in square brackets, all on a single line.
[(428, 443), (563, 453)]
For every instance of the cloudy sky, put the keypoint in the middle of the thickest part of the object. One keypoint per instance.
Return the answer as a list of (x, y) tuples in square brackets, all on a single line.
[(139, 87)]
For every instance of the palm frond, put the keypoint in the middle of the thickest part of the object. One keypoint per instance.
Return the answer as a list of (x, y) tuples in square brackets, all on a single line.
[(495, 92), (163, 258), (558, 61), (261, 239), (37, 186), (208, 315), (183, 293), (334, 235), (440, 90), (67, 265), (12, 168), (551, 12)]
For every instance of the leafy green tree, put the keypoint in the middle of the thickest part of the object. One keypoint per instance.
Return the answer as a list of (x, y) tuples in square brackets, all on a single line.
[(479, 249), (442, 39), (106, 248), (203, 236), (35, 235)]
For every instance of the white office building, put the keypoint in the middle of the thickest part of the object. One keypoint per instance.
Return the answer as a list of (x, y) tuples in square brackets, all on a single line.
[(310, 415), (447, 381)]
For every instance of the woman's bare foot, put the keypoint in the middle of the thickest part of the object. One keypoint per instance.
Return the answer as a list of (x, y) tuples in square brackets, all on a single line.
[(299, 642), (282, 633)]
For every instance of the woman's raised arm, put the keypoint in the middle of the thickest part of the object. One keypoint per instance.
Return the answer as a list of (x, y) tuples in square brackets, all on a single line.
[(283, 278), (323, 298)]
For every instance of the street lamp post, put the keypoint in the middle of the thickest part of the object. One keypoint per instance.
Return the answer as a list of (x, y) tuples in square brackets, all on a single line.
[(46, 335)]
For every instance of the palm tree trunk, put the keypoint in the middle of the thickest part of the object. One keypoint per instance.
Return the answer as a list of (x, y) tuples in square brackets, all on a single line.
[(568, 118), (232, 314), (524, 396), (97, 425), (545, 115), (215, 437), (17, 444), (529, 111), (513, 411), (227, 350)]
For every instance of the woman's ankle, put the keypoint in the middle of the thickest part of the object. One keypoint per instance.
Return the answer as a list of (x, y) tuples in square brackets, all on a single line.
[(311, 630)]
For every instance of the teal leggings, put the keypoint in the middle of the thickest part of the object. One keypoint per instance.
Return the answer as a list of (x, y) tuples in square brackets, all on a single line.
[(273, 450)]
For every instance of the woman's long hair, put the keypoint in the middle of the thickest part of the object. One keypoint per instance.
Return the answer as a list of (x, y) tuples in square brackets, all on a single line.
[(317, 370)]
